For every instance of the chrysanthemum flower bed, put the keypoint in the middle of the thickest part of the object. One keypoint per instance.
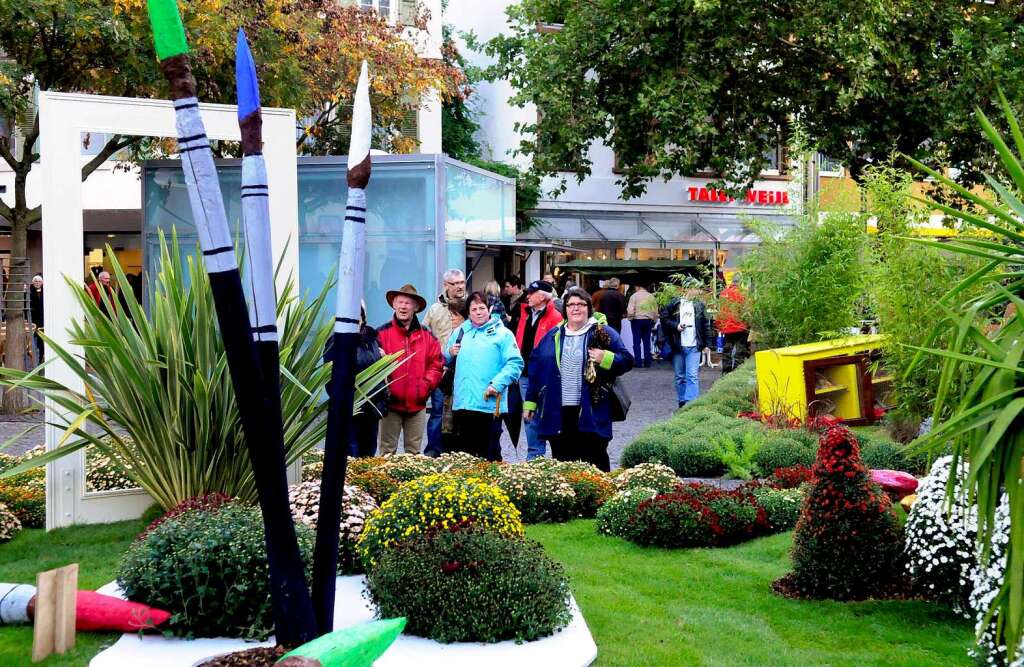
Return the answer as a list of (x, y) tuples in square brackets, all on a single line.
[(437, 500)]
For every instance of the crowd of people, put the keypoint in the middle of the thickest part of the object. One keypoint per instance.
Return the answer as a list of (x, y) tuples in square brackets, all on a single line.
[(524, 358)]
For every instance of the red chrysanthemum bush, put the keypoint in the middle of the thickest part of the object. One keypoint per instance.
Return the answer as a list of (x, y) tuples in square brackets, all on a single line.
[(848, 543), (697, 515)]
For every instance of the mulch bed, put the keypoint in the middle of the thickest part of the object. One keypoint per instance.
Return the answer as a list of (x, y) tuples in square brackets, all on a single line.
[(900, 589), (253, 657)]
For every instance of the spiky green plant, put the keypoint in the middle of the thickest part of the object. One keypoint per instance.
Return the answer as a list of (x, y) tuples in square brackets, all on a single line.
[(984, 418), (158, 395)]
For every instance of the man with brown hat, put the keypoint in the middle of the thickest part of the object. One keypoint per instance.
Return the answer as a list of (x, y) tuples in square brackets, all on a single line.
[(412, 383)]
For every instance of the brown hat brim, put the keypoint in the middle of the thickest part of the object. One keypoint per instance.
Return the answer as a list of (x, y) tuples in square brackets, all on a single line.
[(421, 303)]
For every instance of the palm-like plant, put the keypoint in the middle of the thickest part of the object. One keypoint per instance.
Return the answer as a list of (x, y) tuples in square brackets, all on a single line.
[(158, 397), (983, 419)]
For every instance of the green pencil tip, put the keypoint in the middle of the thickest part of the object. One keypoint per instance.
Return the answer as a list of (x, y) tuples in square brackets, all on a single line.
[(168, 32)]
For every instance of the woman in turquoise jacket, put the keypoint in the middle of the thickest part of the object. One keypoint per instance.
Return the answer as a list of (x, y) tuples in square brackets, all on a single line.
[(487, 361)]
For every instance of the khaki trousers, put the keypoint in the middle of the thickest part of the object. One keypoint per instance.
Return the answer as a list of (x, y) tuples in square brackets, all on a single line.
[(410, 425)]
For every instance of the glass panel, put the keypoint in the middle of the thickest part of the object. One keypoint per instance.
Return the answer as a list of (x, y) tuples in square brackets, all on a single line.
[(167, 208), (477, 207), (400, 226), (400, 246)]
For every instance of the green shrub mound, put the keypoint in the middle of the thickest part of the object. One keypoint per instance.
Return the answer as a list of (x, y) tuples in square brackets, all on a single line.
[(616, 516), (880, 454), (848, 542), (471, 585), (209, 570), (695, 459), (782, 452)]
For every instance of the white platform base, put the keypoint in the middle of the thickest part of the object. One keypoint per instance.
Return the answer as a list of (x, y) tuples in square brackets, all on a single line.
[(572, 647)]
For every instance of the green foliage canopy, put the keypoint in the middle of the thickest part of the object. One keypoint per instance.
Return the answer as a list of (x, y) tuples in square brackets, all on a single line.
[(677, 87)]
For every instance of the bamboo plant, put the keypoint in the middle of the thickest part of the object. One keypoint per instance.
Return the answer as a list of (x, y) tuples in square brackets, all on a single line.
[(158, 397), (983, 418)]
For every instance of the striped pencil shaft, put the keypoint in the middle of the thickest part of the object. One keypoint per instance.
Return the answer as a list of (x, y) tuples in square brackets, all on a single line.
[(259, 276), (203, 188), (350, 263)]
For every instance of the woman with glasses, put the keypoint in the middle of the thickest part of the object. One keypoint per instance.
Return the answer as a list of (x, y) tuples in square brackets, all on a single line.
[(571, 371), (487, 363)]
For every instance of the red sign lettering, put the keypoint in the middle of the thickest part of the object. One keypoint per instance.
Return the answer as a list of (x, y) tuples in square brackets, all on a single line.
[(753, 197)]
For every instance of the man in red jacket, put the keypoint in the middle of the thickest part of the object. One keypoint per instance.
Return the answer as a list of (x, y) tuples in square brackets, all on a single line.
[(536, 317), (420, 374)]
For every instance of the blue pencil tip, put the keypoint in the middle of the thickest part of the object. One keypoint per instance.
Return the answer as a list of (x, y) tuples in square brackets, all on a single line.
[(246, 85)]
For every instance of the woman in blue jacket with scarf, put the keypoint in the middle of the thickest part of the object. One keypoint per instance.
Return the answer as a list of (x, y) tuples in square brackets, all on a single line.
[(487, 362), (573, 413)]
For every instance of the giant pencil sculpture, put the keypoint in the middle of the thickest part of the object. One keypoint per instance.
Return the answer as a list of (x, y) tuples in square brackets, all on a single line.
[(259, 278), (293, 612), (345, 341)]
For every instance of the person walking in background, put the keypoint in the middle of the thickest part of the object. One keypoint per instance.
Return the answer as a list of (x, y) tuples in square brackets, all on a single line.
[(610, 302), (513, 295), (556, 300), (732, 326), (366, 423), (686, 328), (571, 411), (102, 282), (536, 318), (35, 305), (441, 318), (642, 312), (413, 382), (487, 363)]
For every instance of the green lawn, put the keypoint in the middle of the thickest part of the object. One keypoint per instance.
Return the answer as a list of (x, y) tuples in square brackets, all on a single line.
[(714, 607), (644, 606), (96, 549)]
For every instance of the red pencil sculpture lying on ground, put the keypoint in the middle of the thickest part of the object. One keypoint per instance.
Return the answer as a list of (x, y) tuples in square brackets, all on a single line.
[(94, 612)]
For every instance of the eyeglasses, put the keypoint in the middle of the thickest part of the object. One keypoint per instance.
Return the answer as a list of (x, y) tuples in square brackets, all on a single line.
[(457, 282), (576, 304)]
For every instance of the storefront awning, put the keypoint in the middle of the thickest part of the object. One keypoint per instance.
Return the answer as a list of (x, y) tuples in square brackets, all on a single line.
[(667, 228), (629, 267), (524, 245)]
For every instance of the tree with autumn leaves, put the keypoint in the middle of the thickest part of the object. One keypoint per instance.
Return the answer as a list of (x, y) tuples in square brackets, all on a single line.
[(308, 53)]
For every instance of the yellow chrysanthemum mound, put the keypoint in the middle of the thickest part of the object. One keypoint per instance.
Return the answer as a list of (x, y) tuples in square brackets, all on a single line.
[(437, 500)]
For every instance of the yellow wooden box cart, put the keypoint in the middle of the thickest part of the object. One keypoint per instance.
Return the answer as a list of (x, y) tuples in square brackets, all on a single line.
[(832, 377)]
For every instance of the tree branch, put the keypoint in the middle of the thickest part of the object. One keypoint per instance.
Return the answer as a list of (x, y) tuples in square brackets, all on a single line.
[(113, 145), (34, 215), (5, 153), (30, 140)]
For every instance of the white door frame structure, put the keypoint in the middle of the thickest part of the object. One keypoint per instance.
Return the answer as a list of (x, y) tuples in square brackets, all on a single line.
[(62, 119)]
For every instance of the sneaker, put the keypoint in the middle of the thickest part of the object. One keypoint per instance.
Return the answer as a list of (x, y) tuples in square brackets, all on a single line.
[(682, 403)]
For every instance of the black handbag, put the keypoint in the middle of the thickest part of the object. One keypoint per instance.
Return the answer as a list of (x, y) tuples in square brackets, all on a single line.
[(619, 401)]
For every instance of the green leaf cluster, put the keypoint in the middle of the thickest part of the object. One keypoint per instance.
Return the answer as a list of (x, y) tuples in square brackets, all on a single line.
[(158, 400), (807, 284)]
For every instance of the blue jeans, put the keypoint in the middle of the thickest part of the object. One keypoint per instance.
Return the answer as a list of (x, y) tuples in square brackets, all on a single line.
[(686, 364), (642, 336), (535, 445), (435, 447)]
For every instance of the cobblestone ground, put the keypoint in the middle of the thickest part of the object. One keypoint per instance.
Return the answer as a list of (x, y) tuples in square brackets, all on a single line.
[(651, 389)]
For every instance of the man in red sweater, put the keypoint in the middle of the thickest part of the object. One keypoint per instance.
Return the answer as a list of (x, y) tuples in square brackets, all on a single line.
[(412, 383)]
